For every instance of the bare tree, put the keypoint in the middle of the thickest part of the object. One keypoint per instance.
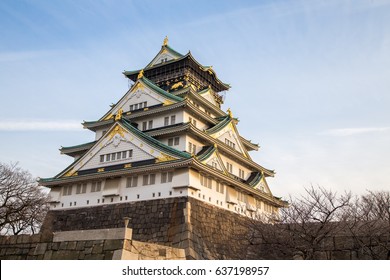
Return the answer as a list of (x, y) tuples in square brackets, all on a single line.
[(303, 227), (369, 224), (23, 204)]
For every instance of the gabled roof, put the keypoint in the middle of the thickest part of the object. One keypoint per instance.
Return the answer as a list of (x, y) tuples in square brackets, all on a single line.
[(123, 124), (208, 69), (165, 49), (77, 149), (223, 122), (143, 81), (221, 146)]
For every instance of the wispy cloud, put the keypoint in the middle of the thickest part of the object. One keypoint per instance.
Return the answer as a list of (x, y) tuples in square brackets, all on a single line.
[(353, 131), (39, 125), (26, 55)]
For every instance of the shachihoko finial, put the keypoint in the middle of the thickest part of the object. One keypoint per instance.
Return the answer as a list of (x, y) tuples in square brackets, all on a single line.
[(230, 113), (140, 74), (119, 114), (165, 43)]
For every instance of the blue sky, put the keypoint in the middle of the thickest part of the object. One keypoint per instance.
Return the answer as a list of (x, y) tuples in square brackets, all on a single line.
[(310, 79)]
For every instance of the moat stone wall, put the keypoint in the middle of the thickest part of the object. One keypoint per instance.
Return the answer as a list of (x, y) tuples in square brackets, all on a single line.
[(174, 228), (101, 244)]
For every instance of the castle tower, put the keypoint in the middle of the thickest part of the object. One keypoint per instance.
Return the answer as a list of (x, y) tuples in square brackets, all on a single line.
[(165, 142)]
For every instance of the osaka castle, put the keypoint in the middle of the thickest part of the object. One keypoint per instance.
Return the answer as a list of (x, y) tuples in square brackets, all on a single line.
[(167, 137)]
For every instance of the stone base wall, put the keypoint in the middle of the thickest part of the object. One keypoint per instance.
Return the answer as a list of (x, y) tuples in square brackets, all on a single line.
[(203, 230), (103, 244), (171, 228)]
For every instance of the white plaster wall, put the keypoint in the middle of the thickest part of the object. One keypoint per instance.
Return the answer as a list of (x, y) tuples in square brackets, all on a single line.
[(236, 166), (158, 121), (138, 155), (199, 145), (182, 177), (199, 124)]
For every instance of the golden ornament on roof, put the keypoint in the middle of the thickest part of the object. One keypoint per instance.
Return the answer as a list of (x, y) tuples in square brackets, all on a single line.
[(230, 113), (165, 43), (119, 114), (140, 74)]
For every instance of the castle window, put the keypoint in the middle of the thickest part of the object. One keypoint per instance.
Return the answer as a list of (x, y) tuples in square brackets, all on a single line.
[(152, 179), (209, 183), (230, 143), (124, 154), (67, 190), (96, 186), (130, 153), (81, 188), (150, 124), (132, 182), (166, 177), (191, 148), (159, 194), (144, 125), (241, 196), (166, 121), (108, 157), (229, 167), (118, 155), (206, 182), (149, 179), (113, 156), (192, 120), (173, 119), (241, 173), (131, 107), (219, 187), (173, 141), (102, 158), (145, 180)]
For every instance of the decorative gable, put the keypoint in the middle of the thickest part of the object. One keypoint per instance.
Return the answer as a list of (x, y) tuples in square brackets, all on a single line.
[(118, 147), (142, 94), (228, 135), (262, 185), (163, 56), (208, 94)]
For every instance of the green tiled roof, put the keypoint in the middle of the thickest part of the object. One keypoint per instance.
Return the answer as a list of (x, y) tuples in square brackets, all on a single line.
[(254, 178), (81, 146), (161, 91), (155, 142), (205, 153), (224, 121)]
